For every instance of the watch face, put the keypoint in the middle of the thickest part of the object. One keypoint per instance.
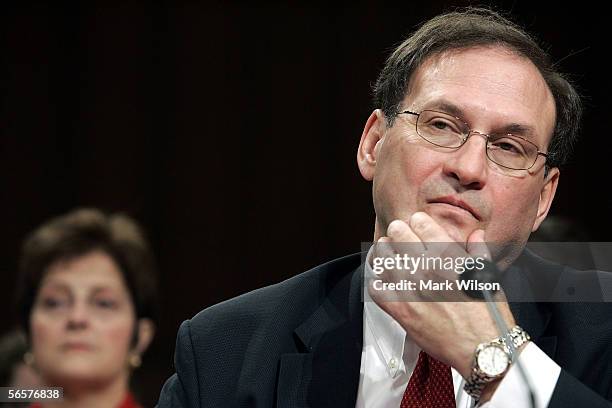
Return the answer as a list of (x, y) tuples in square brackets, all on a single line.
[(493, 360)]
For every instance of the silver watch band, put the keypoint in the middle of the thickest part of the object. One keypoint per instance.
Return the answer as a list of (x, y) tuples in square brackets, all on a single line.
[(518, 337), (478, 379)]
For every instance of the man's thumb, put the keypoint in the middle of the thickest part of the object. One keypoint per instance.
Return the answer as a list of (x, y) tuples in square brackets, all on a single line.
[(476, 245)]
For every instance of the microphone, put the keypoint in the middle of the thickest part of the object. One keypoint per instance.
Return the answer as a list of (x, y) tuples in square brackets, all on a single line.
[(488, 276)]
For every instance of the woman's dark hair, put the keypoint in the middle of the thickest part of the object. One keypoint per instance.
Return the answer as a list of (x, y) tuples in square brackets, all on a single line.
[(13, 346), (78, 233), (479, 27)]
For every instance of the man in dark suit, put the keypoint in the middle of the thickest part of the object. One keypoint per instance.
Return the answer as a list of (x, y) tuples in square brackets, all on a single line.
[(473, 123)]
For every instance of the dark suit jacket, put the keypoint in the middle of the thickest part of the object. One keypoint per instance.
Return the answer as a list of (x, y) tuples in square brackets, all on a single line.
[(298, 343)]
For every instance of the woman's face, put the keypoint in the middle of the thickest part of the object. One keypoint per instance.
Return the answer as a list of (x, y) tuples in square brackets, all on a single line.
[(82, 322)]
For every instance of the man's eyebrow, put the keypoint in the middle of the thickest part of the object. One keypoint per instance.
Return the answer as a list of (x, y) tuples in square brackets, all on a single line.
[(447, 107), (514, 128), (518, 129)]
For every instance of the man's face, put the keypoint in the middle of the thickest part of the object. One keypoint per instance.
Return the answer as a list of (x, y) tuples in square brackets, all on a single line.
[(492, 90)]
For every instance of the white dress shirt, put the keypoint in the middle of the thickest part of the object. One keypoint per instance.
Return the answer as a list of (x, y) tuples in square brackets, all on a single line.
[(389, 357)]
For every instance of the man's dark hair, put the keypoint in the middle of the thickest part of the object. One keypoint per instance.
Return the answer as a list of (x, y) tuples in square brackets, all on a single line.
[(79, 233), (474, 27)]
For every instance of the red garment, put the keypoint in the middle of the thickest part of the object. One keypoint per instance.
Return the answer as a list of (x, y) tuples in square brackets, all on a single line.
[(128, 402), (430, 386)]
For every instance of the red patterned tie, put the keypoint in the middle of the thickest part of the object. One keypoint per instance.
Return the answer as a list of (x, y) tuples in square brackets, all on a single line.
[(430, 385)]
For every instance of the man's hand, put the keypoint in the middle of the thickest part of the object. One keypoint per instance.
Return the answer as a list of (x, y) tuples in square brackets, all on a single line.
[(447, 325)]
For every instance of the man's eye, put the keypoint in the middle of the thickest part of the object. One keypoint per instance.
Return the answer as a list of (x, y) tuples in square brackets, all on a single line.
[(440, 125), (443, 125), (509, 146)]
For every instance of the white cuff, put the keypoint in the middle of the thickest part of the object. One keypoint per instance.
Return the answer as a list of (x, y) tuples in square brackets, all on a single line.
[(542, 373)]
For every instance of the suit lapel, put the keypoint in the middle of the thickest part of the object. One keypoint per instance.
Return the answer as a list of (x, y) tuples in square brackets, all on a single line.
[(521, 282), (534, 318), (327, 372)]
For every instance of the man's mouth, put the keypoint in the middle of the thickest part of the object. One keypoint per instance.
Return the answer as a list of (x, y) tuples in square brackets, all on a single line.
[(456, 202)]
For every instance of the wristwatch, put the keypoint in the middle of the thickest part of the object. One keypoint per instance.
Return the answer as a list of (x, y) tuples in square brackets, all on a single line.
[(493, 359)]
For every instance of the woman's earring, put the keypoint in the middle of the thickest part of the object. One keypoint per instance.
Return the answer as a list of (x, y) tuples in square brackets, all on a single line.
[(28, 358), (134, 360)]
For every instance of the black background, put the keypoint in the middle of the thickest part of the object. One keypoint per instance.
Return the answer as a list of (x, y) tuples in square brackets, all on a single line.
[(230, 131)]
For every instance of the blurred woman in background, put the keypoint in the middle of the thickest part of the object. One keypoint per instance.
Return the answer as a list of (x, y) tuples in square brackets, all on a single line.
[(87, 301)]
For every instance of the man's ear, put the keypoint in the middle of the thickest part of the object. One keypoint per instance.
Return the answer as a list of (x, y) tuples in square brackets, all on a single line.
[(146, 331), (370, 143), (546, 196)]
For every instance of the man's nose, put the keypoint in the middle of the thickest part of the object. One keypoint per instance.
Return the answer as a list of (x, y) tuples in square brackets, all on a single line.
[(468, 164)]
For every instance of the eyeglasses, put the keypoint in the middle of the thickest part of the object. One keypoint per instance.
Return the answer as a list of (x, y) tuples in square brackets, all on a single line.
[(447, 131)]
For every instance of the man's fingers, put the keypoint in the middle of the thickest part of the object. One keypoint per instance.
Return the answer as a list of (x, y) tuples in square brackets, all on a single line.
[(427, 229), (476, 245), (383, 248), (430, 232), (403, 238)]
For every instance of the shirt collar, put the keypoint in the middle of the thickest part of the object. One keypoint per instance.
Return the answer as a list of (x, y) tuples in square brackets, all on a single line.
[(394, 348)]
